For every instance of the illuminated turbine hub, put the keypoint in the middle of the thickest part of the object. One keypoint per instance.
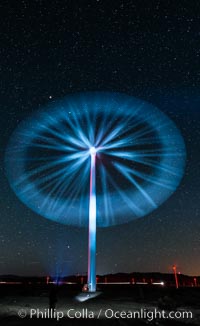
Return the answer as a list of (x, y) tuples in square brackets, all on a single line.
[(49, 156), (93, 151)]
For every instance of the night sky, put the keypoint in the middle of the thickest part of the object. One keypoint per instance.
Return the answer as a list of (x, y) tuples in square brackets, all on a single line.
[(147, 49)]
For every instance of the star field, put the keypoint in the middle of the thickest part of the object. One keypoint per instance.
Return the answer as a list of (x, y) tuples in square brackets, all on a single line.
[(150, 51)]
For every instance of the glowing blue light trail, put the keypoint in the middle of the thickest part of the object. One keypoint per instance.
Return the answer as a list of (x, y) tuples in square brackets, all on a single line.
[(48, 158)]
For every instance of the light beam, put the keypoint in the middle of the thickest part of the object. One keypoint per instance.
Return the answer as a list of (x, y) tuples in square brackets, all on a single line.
[(92, 224)]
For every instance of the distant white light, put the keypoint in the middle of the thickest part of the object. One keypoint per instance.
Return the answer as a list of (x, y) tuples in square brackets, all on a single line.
[(159, 283), (93, 150)]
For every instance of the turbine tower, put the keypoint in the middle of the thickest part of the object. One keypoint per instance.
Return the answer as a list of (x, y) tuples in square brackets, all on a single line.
[(92, 224)]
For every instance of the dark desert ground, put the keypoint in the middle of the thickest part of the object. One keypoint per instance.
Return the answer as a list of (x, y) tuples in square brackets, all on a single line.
[(116, 297)]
